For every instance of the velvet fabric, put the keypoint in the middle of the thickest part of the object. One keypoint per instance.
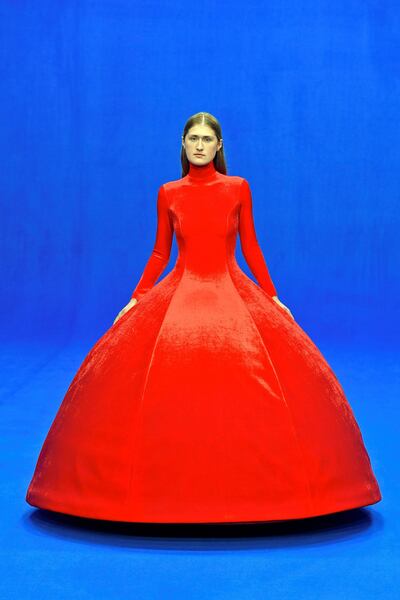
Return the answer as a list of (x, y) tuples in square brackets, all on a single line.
[(206, 401)]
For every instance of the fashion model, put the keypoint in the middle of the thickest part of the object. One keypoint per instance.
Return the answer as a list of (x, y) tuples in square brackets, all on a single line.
[(205, 401)]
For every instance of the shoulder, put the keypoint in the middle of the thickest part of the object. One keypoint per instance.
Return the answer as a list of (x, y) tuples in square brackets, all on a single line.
[(244, 188), (235, 180), (238, 181), (162, 196), (243, 182), (169, 186)]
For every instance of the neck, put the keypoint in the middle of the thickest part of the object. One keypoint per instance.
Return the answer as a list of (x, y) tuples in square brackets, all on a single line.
[(202, 172)]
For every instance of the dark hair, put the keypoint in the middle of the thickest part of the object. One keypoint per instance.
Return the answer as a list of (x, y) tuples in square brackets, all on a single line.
[(204, 118)]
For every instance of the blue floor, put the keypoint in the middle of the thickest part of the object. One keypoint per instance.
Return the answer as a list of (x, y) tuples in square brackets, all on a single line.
[(351, 555)]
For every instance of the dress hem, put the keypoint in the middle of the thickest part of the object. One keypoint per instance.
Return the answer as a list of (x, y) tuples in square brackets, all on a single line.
[(230, 520)]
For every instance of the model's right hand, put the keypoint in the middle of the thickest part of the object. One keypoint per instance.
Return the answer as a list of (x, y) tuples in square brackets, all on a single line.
[(131, 303), (279, 303)]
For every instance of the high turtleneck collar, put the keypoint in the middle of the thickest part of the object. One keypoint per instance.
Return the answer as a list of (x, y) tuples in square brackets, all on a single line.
[(202, 172)]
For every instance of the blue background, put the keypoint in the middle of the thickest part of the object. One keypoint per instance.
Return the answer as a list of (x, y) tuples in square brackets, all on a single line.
[(94, 98)]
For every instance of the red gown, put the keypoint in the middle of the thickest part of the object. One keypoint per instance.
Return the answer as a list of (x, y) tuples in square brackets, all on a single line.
[(206, 401)]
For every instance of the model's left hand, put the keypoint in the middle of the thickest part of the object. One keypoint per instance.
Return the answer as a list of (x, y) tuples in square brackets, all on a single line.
[(276, 299)]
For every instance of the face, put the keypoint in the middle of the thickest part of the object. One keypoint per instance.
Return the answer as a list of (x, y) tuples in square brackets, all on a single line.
[(201, 144)]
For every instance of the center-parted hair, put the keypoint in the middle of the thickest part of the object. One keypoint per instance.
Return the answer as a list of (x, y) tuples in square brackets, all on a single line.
[(204, 118)]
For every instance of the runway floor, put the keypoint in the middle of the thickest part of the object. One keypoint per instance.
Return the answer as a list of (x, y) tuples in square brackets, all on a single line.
[(350, 555)]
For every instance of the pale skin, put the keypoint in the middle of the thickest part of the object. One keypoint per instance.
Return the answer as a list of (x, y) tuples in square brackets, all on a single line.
[(201, 144)]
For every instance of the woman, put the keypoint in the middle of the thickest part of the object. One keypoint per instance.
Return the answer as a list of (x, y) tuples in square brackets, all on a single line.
[(205, 401)]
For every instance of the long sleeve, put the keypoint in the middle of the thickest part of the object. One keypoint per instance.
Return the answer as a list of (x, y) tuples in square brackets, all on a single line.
[(161, 251), (249, 243)]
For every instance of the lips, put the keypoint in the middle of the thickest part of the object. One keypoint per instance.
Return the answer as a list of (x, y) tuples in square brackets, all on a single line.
[(199, 154)]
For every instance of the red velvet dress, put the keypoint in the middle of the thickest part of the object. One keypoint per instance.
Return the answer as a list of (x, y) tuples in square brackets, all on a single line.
[(206, 401)]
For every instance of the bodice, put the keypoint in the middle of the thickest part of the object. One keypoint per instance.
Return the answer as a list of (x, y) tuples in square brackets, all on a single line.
[(206, 210)]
